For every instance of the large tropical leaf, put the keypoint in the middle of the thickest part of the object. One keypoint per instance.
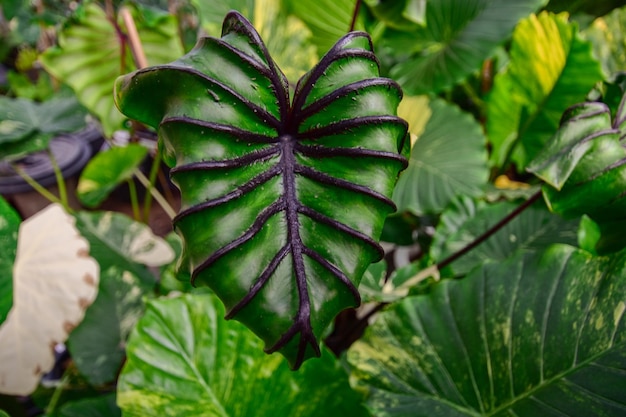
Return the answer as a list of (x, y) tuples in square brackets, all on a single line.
[(9, 226), (551, 68), (282, 203), (183, 360), (534, 229), (457, 37), (539, 335), (448, 158), (91, 54)]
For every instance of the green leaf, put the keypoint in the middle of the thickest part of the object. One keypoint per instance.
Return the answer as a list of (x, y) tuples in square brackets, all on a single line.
[(540, 334), (403, 15), (212, 13), (183, 360), (551, 68), (172, 278), (606, 33), (288, 40), (90, 56), (97, 344), (300, 189), (4, 414), (328, 20), (118, 241), (27, 126), (9, 226), (592, 8), (532, 230), (106, 171), (457, 37), (572, 141), (449, 158), (103, 406), (584, 168)]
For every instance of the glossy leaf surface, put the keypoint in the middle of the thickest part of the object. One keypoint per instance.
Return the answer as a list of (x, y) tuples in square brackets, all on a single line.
[(288, 40), (584, 165), (184, 360), (282, 203), (538, 335), (106, 171), (551, 68)]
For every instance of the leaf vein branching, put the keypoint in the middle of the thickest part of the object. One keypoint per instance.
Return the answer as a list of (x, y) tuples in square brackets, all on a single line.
[(248, 235), (346, 185), (236, 193)]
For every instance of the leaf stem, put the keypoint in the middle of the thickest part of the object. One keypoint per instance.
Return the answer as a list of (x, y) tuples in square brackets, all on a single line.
[(36, 186), (133, 38), (58, 174), (355, 14), (56, 395), (492, 230), (158, 197), (134, 201), (154, 171)]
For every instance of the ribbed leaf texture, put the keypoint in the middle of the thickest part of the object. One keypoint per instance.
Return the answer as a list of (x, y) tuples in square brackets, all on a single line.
[(282, 202)]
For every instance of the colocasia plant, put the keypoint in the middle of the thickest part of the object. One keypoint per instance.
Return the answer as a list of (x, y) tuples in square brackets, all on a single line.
[(283, 200), (483, 147)]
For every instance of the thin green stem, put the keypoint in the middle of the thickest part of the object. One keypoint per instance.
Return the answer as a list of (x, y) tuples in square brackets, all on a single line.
[(154, 171), (58, 174), (478, 102), (36, 186), (158, 197), (56, 395), (134, 201)]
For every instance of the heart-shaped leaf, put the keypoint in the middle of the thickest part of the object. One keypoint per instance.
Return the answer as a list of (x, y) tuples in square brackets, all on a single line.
[(282, 203), (448, 158), (92, 52), (457, 37), (538, 335), (54, 280), (551, 68)]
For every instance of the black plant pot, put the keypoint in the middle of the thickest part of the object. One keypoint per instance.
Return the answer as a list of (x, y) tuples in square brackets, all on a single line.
[(71, 152)]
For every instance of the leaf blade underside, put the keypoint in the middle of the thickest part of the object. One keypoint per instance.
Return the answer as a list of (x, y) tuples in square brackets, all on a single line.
[(278, 216)]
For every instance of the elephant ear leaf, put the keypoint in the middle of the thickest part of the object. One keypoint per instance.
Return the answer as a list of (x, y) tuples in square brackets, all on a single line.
[(282, 203)]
